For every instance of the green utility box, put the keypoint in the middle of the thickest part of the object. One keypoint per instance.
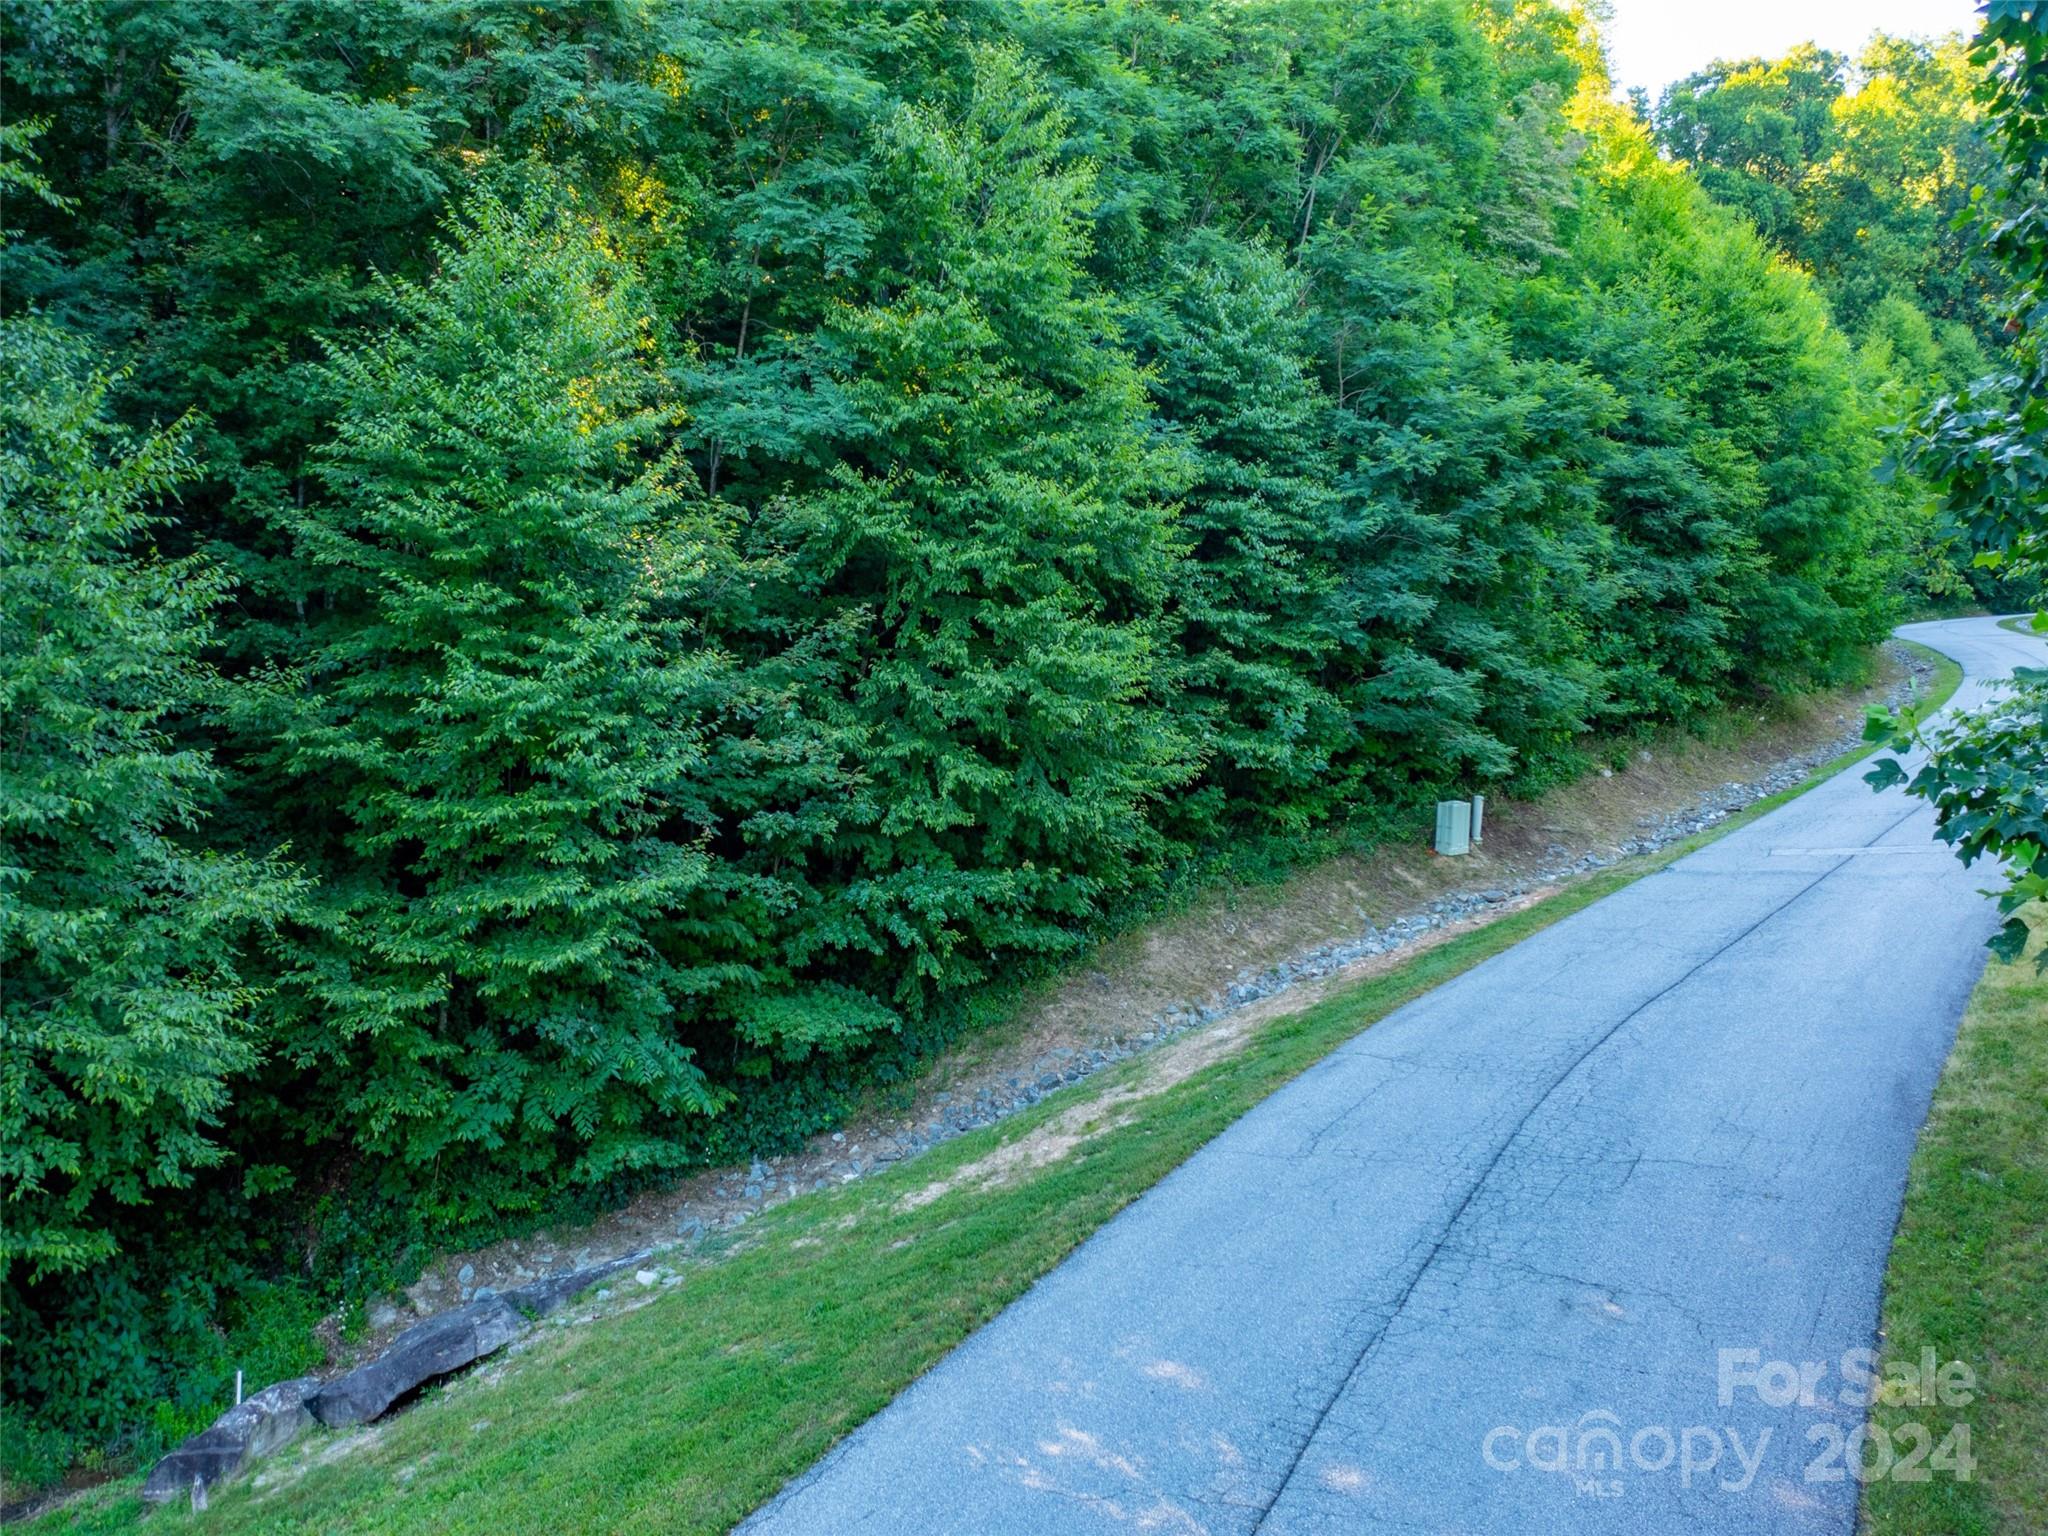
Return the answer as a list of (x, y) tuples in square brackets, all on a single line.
[(1453, 827)]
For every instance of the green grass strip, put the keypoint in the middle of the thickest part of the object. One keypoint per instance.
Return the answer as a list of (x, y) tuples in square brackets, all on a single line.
[(1968, 1277)]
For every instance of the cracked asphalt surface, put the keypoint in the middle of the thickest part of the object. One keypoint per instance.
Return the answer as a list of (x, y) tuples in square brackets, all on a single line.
[(1536, 1204)]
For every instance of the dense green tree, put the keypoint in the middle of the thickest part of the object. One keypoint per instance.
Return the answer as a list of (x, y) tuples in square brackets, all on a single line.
[(1861, 171), (1755, 129), (1258, 627), (490, 726), (1857, 168), (1676, 494), (249, 168), (989, 554), (126, 1013), (1908, 150), (1904, 363)]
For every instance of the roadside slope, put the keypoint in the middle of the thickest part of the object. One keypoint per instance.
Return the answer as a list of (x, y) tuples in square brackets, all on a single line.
[(682, 1413), (1550, 1192)]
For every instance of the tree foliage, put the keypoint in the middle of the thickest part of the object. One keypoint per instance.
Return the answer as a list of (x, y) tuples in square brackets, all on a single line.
[(752, 525), (1985, 449), (489, 720), (128, 1020), (1858, 169), (126, 1016)]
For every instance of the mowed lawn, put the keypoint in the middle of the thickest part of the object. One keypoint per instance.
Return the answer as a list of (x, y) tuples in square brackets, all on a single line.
[(1969, 1274)]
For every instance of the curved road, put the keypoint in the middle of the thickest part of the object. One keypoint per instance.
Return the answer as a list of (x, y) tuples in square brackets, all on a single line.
[(1547, 1250)]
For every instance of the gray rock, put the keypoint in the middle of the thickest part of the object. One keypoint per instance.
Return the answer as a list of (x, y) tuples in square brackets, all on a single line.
[(259, 1425), (383, 1315), (552, 1292), (424, 1351), (465, 1275)]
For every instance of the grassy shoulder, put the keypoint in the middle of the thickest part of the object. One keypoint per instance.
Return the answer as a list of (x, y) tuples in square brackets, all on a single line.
[(1948, 677), (685, 1413), (1968, 1277)]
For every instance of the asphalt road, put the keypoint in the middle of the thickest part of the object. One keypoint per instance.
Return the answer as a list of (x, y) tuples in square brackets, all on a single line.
[(1547, 1250)]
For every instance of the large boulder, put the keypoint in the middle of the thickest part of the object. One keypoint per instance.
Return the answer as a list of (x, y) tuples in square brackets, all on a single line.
[(441, 1344), (270, 1419), (256, 1426)]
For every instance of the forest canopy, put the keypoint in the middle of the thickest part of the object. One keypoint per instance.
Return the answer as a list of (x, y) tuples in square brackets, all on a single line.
[(578, 580)]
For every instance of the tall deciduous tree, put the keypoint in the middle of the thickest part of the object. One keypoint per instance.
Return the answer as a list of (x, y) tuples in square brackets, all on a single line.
[(1258, 623), (492, 725), (126, 1013), (128, 1020), (996, 519)]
